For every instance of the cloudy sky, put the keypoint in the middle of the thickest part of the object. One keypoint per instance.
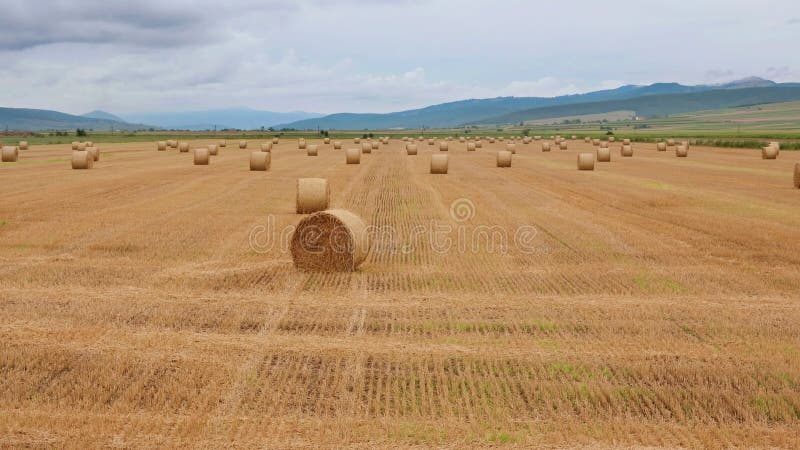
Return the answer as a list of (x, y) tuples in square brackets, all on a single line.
[(374, 56)]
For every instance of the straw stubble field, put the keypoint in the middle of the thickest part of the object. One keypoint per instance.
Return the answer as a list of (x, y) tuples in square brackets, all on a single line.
[(656, 304)]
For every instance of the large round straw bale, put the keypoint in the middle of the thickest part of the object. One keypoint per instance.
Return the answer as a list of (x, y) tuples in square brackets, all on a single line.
[(626, 151), (797, 175), (301, 144), (626, 142), (596, 142), (81, 147), (76, 143), (375, 145), (260, 161), (242, 144), (266, 147), (353, 155), (81, 159), (681, 151), (545, 146), (213, 150), (89, 144), (670, 142), (312, 150), (161, 146), (183, 147), (587, 140), (471, 146), (574, 138), (337, 145), (511, 148), (604, 144), (439, 163), (10, 154), (661, 146), (201, 156), (478, 144), (23, 145), (769, 153), (335, 240), (275, 141), (366, 147), (526, 140), (313, 195), (411, 149), (357, 140), (491, 140), (326, 141), (611, 139), (461, 139), (444, 146), (603, 155), (222, 144), (431, 142), (172, 143), (563, 145), (585, 161), (95, 152), (503, 158)]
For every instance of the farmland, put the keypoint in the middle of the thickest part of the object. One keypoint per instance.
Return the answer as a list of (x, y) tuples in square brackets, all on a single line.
[(149, 302)]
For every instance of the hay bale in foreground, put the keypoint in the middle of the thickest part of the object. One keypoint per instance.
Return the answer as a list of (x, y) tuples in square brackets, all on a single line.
[(545, 146), (95, 152), (411, 149), (585, 161), (337, 145), (353, 156), (681, 151), (161, 146), (603, 155), (260, 161), (213, 150), (626, 151), (444, 146), (201, 156), (503, 158), (313, 194), (661, 146), (81, 159), (312, 150), (366, 147), (512, 148), (439, 163), (10, 154), (769, 153), (335, 240), (242, 144), (183, 147), (266, 147), (797, 175)]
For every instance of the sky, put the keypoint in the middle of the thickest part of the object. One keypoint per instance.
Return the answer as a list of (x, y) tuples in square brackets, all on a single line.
[(330, 56)]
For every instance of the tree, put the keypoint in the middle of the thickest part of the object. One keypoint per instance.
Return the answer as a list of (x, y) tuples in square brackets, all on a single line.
[(80, 132)]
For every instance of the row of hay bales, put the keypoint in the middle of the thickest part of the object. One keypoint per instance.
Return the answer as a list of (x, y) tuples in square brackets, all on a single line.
[(10, 153), (84, 155)]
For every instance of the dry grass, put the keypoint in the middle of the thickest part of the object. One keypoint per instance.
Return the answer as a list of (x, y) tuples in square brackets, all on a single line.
[(659, 309)]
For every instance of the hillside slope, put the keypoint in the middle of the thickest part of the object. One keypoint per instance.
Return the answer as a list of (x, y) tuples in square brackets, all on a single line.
[(24, 119)]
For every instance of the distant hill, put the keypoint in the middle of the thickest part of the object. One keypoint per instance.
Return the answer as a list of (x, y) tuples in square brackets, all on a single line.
[(98, 114), (658, 105), (240, 118), (21, 119), (473, 111)]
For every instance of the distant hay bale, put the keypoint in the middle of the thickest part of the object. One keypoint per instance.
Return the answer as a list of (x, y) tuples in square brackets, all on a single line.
[(478, 144), (222, 144), (95, 152), (275, 141), (266, 147), (603, 155), (439, 163), (626, 151), (461, 139), (563, 145), (537, 138), (471, 146), (375, 145), (411, 149), (501, 139), (337, 145), (81, 159), (420, 139), (769, 153), (511, 148), (183, 147), (327, 141), (526, 140), (685, 144), (301, 144), (596, 142), (491, 140), (161, 146), (10, 154), (585, 161), (681, 151), (201, 156), (81, 147), (587, 140), (431, 142), (604, 144), (242, 144), (260, 161), (626, 142), (611, 139), (357, 140), (661, 146), (545, 146), (366, 147), (503, 158), (213, 150), (89, 144), (353, 156), (670, 142), (23, 145), (76, 143), (313, 195), (444, 146), (312, 150), (330, 241), (172, 143), (797, 175)]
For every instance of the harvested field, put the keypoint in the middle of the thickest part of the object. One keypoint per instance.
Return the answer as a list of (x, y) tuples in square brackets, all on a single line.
[(150, 302)]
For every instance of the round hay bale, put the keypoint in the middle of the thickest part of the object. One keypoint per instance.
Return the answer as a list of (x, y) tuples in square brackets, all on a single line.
[(503, 158), (681, 151), (491, 140), (301, 144), (313, 195), (431, 142), (10, 154), (213, 150), (183, 147), (161, 146), (670, 142), (260, 161), (526, 140), (439, 163), (585, 161), (242, 144), (611, 139), (545, 146), (366, 147), (596, 142), (81, 159), (223, 143), (471, 146), (76, 143), (337, 145), (797, 175), (604, 144), (769, 153), (81, 147), (266, 147), (661, 146), (587, 140), (626, 142), (563, 145), (626, 151), (327, 141), (357, 140), (312, 150), (171, 143), (444, 146), (353, 156), (537, 138), (411, 149), (375, 145), (512, 148), (95, 152), (574, 138), (478, 144), (603, 155), (275, 141), (461, 139), (201, 156), (335, 240), (89, 144), (685, 144)]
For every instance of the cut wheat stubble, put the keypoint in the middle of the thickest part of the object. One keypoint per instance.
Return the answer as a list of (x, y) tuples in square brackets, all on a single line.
[(503, 158), (330, 241), (260, 161), (439, 163), (313, 195)]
